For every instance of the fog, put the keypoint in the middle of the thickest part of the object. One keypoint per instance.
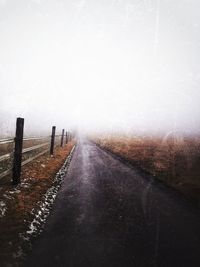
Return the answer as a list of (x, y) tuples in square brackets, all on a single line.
[(100, 65)]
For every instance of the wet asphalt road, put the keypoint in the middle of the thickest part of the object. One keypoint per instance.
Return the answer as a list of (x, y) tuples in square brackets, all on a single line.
[(109, 214)]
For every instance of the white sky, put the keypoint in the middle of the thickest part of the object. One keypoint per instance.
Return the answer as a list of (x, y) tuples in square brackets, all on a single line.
[(131, 65)]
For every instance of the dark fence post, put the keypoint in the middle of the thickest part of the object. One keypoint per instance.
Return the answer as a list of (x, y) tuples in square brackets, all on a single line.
[(18, 151), (62, 137), (52, 140), (66, 138)]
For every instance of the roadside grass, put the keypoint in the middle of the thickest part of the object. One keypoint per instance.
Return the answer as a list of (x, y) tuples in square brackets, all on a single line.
[(19, 204), (174, 160)]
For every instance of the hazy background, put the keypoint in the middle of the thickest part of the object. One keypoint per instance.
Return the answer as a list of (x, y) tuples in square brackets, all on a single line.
[(114, 65)]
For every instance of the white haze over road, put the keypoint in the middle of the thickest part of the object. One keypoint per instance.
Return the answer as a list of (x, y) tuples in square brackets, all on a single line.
[(131, 65)]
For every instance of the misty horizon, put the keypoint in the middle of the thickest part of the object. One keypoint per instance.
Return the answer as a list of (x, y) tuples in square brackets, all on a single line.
[(100, 66)]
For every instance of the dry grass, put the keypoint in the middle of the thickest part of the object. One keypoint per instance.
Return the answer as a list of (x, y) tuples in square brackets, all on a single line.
[(174, 160), (20, 201)]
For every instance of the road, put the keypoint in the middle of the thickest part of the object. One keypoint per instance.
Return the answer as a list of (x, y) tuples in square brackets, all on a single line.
[(108, 214)]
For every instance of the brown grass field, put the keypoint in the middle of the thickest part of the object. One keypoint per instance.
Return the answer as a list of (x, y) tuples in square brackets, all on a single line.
[(175, 160)]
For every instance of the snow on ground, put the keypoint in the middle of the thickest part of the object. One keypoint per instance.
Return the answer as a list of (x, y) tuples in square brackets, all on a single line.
[(2, 208)]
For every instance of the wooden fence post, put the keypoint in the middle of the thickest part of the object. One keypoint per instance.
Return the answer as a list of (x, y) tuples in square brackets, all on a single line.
[(16, 172), (52, 140), (62, 137), (66, 138)]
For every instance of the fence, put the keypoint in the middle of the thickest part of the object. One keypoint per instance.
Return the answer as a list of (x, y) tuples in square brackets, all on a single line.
[(24, 150)]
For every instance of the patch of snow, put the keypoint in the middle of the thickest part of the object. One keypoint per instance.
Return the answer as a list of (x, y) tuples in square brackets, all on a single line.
[(40, 216), (7, 196), (25, 185), (2, 208), (15, 191)]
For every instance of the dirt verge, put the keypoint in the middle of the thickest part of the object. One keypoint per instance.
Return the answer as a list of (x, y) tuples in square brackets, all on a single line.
[(21, 204)]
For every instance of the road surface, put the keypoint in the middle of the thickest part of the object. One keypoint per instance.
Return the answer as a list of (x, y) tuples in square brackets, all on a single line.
[(108, 214)]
